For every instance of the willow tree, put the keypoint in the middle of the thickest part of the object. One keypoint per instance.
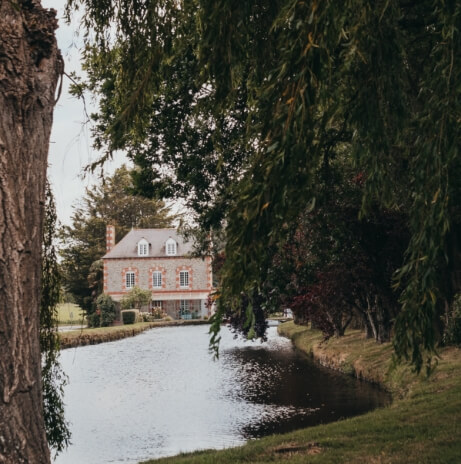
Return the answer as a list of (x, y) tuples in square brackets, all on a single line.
[(385, 72), (30, 65), (53, 377)]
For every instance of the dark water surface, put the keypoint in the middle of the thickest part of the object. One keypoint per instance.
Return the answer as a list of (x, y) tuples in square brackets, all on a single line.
[(160, 393)]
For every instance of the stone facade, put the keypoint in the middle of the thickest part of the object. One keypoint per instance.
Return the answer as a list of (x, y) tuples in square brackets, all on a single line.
[(179, 295)]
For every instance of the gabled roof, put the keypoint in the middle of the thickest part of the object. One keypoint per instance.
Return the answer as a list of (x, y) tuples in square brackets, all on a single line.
[(128, 246)]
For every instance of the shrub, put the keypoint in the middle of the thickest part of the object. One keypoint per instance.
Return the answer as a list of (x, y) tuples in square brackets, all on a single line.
[(106, 307), (94, 319), (158, 313), (129, 316)]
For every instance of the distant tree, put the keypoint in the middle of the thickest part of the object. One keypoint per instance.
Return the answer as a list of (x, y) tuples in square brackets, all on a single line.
[(84, 242), (333, 266), (345, 265)]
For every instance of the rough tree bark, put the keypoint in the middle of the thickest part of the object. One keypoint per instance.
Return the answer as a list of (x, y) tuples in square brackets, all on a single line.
[(30, 65)]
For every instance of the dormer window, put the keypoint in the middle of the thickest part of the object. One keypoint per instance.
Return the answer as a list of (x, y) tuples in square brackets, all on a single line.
[(143, 248), (170, 247)]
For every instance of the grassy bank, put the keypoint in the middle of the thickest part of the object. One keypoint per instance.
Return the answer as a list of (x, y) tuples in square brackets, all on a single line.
[(354, 355), (95, 336), (422, 425)]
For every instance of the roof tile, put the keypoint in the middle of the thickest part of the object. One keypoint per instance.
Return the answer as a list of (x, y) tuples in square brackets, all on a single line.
[(127, 247)]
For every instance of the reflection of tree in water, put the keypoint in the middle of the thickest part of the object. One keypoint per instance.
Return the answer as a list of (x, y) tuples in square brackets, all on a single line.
[(281, 419), (258, 376), (291, 392)]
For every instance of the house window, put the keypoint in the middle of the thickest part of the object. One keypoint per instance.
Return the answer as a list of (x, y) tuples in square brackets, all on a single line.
[(184, 278), (157, 304), (170, 247), (129, 279), (157, 279), (183, 306), (143, 248)]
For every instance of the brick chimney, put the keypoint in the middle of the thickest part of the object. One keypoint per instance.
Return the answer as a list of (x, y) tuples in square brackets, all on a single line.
[(110, 237)]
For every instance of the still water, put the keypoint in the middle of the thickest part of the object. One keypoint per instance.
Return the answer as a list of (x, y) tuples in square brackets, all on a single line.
[(160, 393)]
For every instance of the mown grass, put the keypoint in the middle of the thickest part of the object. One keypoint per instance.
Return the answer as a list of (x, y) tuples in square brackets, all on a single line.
[(422, 425), (69, 314)]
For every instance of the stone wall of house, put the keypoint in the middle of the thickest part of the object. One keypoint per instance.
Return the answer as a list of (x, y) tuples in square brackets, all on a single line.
[(200, 277)]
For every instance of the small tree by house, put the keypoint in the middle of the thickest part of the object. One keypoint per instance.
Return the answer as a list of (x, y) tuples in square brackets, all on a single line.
[(136, 298), (105, 310)]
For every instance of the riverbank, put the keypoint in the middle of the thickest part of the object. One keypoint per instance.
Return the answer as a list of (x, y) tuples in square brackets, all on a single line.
[(353, 355), (422, 425), (95, 336)]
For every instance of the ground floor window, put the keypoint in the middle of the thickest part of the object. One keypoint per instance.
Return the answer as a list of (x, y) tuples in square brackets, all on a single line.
[(157, 304), (184, 306)]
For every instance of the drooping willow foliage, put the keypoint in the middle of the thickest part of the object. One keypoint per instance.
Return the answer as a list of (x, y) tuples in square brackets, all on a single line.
[(53, 377), (284, 84)]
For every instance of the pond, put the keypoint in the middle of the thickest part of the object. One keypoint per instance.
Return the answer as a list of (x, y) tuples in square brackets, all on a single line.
[(161, 393)]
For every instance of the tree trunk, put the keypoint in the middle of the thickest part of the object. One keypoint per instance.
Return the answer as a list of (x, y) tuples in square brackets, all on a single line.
[(30, 65), (371, 320), (362, 315)]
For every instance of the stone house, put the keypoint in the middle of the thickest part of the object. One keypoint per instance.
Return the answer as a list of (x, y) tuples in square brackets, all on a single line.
[(158, 260)]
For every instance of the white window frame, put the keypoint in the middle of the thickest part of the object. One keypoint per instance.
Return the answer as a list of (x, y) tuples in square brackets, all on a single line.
[(157, 279), (183, 279), (184, 306), (143, 248), (157, 304), (170, 247), (130, 279)]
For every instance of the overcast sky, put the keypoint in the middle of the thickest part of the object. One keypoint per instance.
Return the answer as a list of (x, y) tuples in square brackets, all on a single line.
[(70, 142)]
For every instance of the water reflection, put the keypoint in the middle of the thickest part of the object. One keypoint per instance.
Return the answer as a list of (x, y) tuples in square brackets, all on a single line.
[(160, 393)]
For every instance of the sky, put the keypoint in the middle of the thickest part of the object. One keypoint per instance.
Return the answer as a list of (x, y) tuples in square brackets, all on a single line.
[(70, 141)]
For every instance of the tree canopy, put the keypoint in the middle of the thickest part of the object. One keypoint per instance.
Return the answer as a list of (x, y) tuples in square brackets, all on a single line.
[(238, 106), (84, 243)]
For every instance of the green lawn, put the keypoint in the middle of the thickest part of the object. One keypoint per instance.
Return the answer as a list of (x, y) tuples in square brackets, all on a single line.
[(69, 313), (422, 425)]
